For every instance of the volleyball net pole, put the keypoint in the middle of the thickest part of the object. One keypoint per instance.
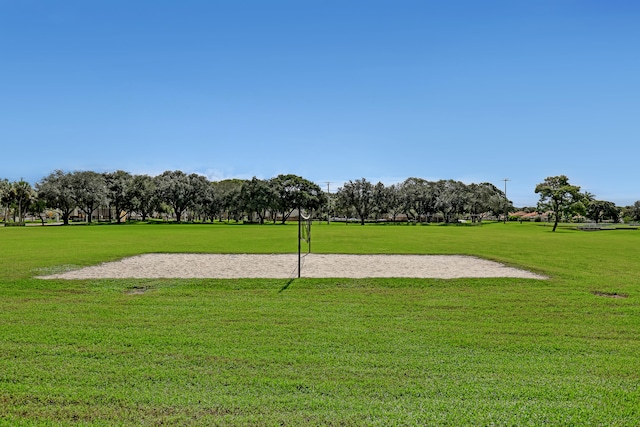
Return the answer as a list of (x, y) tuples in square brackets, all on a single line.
[(299, 238), (304, 233)]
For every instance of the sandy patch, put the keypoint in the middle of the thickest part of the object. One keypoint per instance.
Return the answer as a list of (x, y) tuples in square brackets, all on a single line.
[(283, 266)]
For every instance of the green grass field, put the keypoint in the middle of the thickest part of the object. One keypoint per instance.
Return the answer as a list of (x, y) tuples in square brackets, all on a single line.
[(563, 351)]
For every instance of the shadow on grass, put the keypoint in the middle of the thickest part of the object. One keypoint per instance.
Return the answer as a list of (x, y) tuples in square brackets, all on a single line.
[(286, 285)]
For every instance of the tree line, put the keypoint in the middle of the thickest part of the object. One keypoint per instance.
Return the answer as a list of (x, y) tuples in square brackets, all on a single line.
[(420, 200), (172, 193), (193, 197), (121, 195)]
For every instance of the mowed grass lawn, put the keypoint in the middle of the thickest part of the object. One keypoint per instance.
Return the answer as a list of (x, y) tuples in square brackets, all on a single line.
[(562, 351)]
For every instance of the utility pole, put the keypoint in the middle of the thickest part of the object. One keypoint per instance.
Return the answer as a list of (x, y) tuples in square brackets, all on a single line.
[(328, 202), (506, 201)]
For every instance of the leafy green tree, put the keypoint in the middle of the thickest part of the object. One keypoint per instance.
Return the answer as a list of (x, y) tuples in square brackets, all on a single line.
[(21, 193), (633, 211), (484, 198), (418, 197), (176, 190), (292, 192), (395, 201), (587, 197), (450, 198), (210, 203), (227, 192), (326, 211), (120, 193), (557, 196), (257, 197), (382, 197), (5, 197), (55, 189), (143, 195), (88, 190), (200, 188), (359, 196), (601, 210), (461, 196), (24, 194), (233, 200), (38, 207), (577, 209), (8, 201)]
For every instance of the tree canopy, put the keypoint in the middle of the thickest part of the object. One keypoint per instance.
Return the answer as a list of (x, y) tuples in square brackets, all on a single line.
[(557, 196), (359, 196), (57, 192)]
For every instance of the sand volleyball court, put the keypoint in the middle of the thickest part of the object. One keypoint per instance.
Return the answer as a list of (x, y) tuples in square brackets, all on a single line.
[(283, 266)]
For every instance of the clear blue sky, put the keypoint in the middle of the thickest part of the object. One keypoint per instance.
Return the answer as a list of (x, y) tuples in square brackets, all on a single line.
[(331, 90)]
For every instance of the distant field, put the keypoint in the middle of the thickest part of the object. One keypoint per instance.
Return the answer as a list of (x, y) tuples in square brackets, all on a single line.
[(563, 351)]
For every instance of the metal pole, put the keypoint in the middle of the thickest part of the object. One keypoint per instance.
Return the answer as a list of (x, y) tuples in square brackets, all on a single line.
[(506, 201), (309, 231), (328, 203), (299, 236)]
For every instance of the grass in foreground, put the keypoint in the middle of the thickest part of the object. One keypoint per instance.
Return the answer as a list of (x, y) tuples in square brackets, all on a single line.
[(329, 351)]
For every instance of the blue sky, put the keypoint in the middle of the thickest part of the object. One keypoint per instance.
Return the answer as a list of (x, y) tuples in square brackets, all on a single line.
[(476, 91)]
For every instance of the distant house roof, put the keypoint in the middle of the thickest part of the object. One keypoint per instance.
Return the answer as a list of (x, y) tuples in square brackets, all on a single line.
[(531, 215), (527, 215)]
